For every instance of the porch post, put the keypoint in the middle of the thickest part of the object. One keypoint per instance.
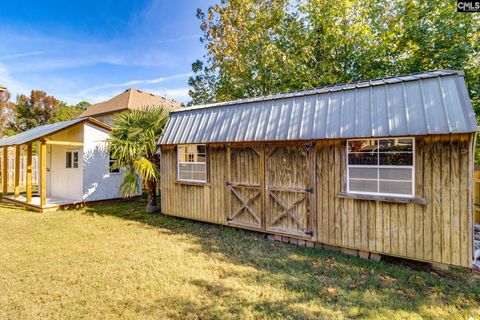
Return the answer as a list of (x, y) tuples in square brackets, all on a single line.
[(43, 173), (5, 171), (29, 173), (17, 172)]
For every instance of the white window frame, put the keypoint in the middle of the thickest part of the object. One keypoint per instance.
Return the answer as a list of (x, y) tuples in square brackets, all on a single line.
[(190, 162), (72, 161), (378, 166)]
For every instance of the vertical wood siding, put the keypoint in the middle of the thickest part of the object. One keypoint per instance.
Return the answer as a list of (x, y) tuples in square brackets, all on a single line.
[(440, 231), (198, 202), (437, 232)]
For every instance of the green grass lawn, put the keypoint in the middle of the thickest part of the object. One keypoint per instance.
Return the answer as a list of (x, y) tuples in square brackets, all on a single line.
[(115, 261)]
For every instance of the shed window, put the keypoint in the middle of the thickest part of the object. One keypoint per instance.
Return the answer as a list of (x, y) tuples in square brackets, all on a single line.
[(192, 162), (71, 159), (381, 166)]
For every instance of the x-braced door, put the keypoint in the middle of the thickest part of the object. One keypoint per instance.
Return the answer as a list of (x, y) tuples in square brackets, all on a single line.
[(244, 187), (289, 189)]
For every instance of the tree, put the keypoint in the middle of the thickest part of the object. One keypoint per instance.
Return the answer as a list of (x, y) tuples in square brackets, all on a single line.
[(251, 49), (36, 110), (133, 145), (39, 109), (202, 84), (258, 47), (6, 107), (83, 105), (65, 112)]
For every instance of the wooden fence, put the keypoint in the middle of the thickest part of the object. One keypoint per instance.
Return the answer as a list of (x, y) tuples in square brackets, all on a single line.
[(23, 171), (476, 196)]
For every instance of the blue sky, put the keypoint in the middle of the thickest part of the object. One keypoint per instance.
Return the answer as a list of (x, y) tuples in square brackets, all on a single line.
[(93, 50)]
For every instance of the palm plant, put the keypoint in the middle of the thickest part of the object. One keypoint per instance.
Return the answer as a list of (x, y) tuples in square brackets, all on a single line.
[(133, 145)]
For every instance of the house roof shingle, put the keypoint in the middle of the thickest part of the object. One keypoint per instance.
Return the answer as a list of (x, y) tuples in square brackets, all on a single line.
[(130, 99)]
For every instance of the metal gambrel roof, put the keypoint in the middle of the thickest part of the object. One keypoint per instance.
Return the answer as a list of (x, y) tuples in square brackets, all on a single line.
[(45, 130), (435, 102)]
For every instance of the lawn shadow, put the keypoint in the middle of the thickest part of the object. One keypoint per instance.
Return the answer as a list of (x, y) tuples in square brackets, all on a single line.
[(341, 285), (11, 206)]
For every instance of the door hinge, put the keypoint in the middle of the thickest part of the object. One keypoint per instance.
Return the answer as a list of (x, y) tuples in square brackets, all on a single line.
[(309, 190), (310, 233), (228, 183), (309, 144), (229, 219)]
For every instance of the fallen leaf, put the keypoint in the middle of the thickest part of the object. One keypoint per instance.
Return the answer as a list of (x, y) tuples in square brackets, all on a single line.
[(332, 291)]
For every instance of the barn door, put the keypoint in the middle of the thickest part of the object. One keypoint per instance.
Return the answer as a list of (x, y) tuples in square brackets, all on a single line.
[(244, 187), (289, 189)]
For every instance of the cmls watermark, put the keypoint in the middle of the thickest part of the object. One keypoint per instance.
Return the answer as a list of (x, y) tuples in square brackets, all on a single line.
[(468, 6)]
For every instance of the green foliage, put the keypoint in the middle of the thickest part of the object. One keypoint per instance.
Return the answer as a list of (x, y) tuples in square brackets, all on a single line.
[(129, 186), (250, 47), (203, 84), (132, 144), (66, 112), (83, 105), (34, 110), (6, 107), (39, 109), (258, 47)]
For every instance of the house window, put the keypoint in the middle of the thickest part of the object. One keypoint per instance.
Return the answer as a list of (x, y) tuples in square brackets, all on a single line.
[(111, 161), (71, 159), (192, 162), (381, 166)]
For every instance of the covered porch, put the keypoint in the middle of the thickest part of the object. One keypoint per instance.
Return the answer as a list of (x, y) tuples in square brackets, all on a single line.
[(38, 166), (26, 183), (51, 203), (19, 185)]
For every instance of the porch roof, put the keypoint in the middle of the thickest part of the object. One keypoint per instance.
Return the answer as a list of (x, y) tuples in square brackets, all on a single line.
[(46, 130)]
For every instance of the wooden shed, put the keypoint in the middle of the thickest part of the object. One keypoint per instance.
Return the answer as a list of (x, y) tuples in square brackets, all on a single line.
[(382, 166)]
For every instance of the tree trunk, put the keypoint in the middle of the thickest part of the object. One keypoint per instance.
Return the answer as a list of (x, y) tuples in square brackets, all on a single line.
[(152, 196)]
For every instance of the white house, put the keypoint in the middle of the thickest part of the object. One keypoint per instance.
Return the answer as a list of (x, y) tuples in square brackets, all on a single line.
[(74, 163)]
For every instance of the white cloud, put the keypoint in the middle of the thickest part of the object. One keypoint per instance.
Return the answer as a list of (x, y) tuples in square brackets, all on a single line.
[(179, 94), (21, 55), (92, 98), (182, 38), (67, 52), (133, 83), (75, 66), (13, 86)]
